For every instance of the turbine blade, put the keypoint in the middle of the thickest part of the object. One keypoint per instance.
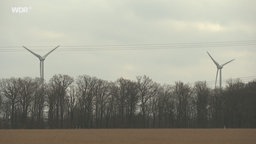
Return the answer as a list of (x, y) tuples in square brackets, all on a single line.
[(213, 59), (220, 78), (216, 77), (227, 62), (37, 55), (50, 52)]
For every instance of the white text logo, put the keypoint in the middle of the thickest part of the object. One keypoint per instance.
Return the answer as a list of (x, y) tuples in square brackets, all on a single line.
[(20, 10)]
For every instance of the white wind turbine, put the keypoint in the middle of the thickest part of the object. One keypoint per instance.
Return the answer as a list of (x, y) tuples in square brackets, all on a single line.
[(41, 58), (219, 68)]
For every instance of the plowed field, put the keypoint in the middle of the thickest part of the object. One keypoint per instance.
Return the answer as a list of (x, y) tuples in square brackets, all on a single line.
[(129, 136)]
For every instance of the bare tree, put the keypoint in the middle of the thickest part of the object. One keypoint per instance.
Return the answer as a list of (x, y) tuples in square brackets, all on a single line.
[(165, 107), (202, 95), (96, 103), (112, 106), (71, 106), (182, 93), (10, 90), (248, 107), (86, 90), (234, 102), (127, 100), (57, 99), (27, 92), (147, 89), (38, 108), (1, 107), (216, 108), (132, 102), (102, 94)]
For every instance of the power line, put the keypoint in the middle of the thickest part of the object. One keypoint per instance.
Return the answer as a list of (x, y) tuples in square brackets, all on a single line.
[(144, 46)]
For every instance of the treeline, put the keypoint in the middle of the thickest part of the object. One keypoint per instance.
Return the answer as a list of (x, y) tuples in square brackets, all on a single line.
[(89, 102)]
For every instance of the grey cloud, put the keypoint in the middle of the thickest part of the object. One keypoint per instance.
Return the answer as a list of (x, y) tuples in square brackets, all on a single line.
[(104, 22)]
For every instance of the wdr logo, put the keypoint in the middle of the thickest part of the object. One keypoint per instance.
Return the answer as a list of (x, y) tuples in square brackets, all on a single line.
[(20, 10)]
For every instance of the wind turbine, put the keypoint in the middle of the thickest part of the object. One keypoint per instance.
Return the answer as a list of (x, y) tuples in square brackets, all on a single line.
[(219, 68), (41, 58)]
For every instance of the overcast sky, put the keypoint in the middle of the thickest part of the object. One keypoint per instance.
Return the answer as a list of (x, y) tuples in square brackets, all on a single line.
[(166, 40)]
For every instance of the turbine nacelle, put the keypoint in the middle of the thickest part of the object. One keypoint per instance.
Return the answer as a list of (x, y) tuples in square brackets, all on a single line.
[(219, 66)]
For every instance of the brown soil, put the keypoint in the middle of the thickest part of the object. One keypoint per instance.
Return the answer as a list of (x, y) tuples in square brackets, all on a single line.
[(129, 136)]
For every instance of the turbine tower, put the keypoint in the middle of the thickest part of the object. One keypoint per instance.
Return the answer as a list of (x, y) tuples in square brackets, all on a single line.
[(219, 68), (41, 58)]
